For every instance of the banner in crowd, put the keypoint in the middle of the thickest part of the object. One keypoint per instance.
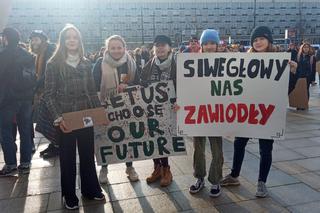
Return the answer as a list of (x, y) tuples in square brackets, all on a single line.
[(233, 94), (142, 126)]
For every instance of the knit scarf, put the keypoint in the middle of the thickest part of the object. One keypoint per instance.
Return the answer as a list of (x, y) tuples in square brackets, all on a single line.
[(110, 78), (165, 65), (73, 60)]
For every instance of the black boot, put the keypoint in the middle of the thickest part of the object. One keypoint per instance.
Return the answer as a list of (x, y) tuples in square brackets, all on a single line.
[(50, 152)]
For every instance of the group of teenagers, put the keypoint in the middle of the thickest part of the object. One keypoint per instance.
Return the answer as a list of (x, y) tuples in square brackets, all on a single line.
[(71, 85)]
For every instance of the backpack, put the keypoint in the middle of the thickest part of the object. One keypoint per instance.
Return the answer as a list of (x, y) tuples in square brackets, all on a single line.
[(25, 79), (28, 79), (25, 73)]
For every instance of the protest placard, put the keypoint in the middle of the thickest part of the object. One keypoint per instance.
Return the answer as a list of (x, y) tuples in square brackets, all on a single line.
[(299, 96), (233, 94), (142, 126)]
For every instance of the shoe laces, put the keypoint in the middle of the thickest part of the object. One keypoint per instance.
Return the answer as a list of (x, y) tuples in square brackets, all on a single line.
[(261, 186), (216, 187), (199, 182)]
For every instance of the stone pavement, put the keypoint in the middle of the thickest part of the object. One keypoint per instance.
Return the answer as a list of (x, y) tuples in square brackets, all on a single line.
[(293, 183)]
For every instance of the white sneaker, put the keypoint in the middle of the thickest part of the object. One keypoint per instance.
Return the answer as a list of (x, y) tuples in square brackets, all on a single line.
[(261, 189), (103, 175), (132, 174)]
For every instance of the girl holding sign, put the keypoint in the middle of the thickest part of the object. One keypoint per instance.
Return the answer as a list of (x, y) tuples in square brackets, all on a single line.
[(112, 73), (261, 41), (162, 67), (209, 42), (69, 87)]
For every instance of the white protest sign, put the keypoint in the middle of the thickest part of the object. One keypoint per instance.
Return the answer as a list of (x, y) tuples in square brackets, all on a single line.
[(143, 126), (233, 94)]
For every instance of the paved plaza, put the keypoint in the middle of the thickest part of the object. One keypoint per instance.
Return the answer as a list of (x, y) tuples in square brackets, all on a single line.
[(293, 183)]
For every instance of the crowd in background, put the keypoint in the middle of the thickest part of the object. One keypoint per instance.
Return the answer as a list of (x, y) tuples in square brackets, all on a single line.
[(67, 79)]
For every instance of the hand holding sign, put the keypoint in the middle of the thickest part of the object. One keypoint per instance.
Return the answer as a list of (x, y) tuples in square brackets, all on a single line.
[(176, 107), (293, 66), (64, 128), (122, 87)]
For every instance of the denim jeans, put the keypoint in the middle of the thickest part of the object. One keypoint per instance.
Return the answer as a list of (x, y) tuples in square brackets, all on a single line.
[(23, 112), (265, 149)]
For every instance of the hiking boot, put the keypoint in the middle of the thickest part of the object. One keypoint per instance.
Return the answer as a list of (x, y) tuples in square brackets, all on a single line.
[(103, 175), (261, 189), (50, 151), (166, 177), (8, 171), (195, 188), (156, 174), (46, 150), (215, 191), (132, 174), (229, 181)]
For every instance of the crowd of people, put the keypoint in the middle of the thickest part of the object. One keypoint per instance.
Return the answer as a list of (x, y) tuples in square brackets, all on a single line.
[(41, 82)]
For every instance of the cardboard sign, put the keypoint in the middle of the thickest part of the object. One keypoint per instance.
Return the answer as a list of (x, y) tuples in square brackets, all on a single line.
[(142, 126), (233, 94), (85, 118), (318, 67), (299, 96)]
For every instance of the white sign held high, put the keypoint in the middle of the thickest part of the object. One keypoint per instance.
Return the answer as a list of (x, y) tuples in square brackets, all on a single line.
[(233, 94)]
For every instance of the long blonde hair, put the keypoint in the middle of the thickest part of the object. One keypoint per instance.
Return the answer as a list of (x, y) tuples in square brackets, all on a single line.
[(301, 50), (60, 54), (115, 37)]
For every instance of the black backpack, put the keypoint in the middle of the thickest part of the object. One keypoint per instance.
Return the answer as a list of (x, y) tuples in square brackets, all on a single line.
[(24, 80), (18, 75)]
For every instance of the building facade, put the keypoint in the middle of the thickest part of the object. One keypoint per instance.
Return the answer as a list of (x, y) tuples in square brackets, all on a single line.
[(138, 21)]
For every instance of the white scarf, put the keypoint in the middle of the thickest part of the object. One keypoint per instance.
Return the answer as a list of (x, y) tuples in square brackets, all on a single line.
[(73, 60), (165, 65), (110, 78)]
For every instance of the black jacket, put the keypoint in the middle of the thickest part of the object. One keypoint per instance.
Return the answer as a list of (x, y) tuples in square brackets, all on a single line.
[(145, 77), (294, 54), (305, 66), (12, 60), (292, 82)]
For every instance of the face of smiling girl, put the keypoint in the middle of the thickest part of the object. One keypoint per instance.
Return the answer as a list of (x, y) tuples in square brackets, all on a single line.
[(260, 44)]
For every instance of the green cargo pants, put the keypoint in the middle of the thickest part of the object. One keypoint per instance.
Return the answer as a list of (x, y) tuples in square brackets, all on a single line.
[(199, 159)]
